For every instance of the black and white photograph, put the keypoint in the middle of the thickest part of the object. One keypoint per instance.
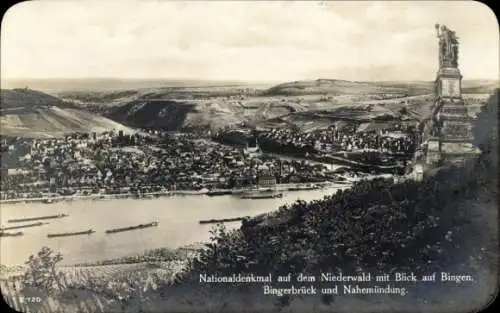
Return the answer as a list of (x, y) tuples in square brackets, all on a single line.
[(249, 156)]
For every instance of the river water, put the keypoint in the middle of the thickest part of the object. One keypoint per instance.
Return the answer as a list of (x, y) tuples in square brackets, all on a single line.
[(178, 219)]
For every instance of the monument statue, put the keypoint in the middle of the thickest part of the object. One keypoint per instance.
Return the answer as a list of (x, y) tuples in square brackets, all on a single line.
[(448, 46), (450, 128)]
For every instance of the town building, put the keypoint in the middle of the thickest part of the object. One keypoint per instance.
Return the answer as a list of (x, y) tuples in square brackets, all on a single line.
[(266, 180)]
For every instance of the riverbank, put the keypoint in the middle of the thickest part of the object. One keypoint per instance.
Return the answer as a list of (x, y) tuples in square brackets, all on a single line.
[(170, 193), (178, 219)]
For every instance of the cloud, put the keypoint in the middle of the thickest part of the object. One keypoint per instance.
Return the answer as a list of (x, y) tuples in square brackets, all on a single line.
[(243, 40)]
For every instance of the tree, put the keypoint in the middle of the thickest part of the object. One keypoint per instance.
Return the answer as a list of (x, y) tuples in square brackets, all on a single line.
[(486, 128), (403, 111), (41, 271)]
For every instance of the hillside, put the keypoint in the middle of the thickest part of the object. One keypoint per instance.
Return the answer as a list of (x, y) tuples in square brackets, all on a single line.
[(17, 98), (384, 89), (173, 115), (187, 108), (258, 111), (49, 122), (310, 120), (305, 104), (30, 113)]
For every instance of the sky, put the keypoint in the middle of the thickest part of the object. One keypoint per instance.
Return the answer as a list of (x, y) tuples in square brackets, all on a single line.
[(243, 41)]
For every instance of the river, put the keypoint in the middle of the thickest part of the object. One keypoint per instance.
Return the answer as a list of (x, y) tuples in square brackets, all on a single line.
[(178, 218)]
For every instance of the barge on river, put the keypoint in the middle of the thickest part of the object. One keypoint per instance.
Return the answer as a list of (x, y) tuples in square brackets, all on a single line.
[(306, 187), (224, 220), (29, 219), (4, 234), (85, 232), (23, 226), (213, 193), (261, 195), (140, 226)]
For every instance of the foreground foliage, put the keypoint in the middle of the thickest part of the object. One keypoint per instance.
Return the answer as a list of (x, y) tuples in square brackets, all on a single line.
[(41, 271)]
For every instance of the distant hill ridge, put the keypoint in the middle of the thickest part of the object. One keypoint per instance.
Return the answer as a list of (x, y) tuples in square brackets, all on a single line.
[(332, 86), (338, 86), (106, 84)]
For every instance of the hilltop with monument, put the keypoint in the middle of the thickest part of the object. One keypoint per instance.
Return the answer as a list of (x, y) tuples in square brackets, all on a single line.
[(447, 135)]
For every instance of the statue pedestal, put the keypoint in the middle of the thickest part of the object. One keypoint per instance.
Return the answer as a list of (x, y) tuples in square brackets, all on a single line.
[(449, 82), (456, 124)]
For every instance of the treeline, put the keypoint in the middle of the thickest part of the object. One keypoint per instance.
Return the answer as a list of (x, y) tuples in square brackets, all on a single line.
[(153, 255)]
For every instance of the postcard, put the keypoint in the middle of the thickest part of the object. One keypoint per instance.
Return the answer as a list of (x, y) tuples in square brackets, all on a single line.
[(249, 156)]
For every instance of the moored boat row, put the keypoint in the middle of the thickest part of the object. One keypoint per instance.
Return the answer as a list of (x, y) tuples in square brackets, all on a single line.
[(29, 219), (3, 232)]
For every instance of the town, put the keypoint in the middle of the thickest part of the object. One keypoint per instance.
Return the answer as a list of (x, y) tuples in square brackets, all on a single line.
[(148, 161)]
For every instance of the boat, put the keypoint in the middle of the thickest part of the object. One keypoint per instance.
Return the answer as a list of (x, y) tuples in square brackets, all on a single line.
[(4, 234), (28, 219), (261, 195), (224, 220), (22, 226), (140, 226), (219, 193), (85, 232), (306, 187)]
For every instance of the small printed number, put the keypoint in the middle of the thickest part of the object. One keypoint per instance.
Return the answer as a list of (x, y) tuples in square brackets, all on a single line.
[(31, 299)]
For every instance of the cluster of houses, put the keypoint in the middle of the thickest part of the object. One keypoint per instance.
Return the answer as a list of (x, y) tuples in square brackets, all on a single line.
[(113, 162), (390, 141), (347, 138)]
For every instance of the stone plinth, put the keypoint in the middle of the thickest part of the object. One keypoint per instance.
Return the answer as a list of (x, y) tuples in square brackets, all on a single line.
[(449, 83)]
